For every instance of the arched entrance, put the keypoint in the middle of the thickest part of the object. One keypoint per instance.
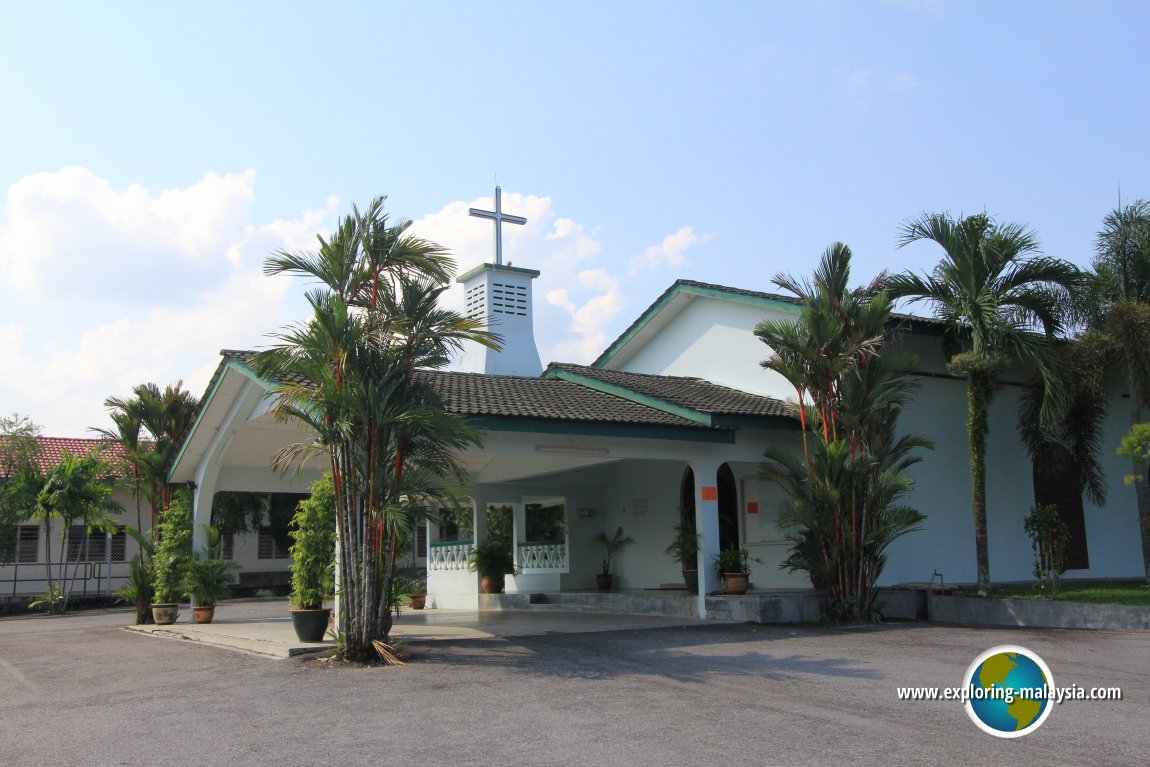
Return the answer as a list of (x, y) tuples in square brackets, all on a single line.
[(1055, 478), (687, 499), (728, 508)]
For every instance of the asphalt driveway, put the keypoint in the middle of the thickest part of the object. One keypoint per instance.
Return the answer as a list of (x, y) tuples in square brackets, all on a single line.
[(78, 690)]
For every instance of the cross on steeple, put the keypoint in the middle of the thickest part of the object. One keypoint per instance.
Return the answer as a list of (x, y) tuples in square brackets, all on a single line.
[(498, 216)]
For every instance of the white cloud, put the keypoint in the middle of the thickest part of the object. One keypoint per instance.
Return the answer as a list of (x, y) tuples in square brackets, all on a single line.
[(603, 302), (71, 234), (114, 288), (861, 87), (903, 81), (670, 251)]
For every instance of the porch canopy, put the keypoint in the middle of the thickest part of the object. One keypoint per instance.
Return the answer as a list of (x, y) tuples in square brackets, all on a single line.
[(608, 448)]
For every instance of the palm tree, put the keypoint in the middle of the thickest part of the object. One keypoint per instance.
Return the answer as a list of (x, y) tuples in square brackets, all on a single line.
[(128, 434), (78, 489), (1001, 300), (845, 490), (1116, 311), (351, 375), (150, 425)]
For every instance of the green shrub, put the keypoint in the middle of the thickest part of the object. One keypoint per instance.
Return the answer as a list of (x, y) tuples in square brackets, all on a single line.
[(313, 546), (174, 548), (1049, 539)]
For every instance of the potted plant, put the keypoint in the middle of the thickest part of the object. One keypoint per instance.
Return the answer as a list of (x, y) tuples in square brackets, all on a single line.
[(417, 594), (685, 550), (313, 561), (733, 566), (172, 553), (206, 582), (493, 561), (611, 547)]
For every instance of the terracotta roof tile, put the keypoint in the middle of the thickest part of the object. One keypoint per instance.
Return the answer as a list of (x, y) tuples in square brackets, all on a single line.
[(52, 450)]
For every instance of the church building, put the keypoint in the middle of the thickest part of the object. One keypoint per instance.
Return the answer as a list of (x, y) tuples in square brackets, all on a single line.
[(667, 428)]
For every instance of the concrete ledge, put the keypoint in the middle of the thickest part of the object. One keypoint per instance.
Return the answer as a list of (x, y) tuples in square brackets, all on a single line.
[(240, 637), (902, 604), (803, 607), (1035, 613)]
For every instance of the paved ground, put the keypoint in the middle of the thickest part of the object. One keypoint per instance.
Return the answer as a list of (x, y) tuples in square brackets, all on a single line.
[(78, 690), (263, 626)]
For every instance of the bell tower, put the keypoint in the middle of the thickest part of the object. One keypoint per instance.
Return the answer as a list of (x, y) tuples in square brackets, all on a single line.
[(501, 295)]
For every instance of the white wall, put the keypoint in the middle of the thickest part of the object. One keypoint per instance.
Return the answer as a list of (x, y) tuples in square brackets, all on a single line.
[(713, 339)]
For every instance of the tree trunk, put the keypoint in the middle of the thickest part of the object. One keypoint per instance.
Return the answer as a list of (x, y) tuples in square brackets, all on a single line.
[(977, 426)]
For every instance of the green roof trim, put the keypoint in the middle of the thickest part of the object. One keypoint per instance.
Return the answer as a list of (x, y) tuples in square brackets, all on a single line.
[(704, 419), (682, 287), (593, 429)]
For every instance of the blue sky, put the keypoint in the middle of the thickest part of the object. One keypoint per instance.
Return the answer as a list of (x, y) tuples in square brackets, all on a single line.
[(154, 153)]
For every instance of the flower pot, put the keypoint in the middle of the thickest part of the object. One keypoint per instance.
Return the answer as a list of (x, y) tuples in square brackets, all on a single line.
[(418, 601), (691, 578), (491, 584), (310, 625), (736, 582), (604, 581), (165, 613), (204, 613)]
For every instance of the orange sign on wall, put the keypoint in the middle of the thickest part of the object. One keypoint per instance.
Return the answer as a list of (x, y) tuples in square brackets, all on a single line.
[(710, 493)]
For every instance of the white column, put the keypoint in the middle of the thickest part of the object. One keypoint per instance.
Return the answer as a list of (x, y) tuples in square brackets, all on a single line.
[(478, 520), (707, 525), (518, 528), (208, 469)]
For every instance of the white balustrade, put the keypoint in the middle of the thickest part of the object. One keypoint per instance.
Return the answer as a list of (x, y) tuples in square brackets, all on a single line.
[(546, 557), (449, 555)]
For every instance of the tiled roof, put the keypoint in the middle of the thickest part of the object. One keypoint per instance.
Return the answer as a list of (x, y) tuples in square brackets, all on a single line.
[(477, 394), (694, 393), (52, 450)]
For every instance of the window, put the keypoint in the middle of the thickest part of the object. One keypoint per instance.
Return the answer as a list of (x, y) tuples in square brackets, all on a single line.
[(19, 544), (228, 545), (85, 546), (28, 544), (420, 542), (270, 548)]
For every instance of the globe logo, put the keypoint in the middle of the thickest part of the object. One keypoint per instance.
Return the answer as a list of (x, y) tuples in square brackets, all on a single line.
[(1007, 688)]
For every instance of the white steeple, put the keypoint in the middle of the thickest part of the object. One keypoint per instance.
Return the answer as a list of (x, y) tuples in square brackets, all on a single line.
[(501, 295)]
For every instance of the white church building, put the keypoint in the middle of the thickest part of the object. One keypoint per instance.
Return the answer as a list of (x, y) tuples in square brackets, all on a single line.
[(670, 420)]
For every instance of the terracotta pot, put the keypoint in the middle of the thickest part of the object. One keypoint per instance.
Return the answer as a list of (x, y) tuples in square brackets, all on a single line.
[(418, 601), (691, 579), (604, 581), (204, 613), (310, 625), (736, 582), (165, 613), (491, 584)]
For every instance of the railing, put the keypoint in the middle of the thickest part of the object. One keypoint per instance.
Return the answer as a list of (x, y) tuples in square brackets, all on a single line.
[(542, 557), (87, 577), (449, 555)]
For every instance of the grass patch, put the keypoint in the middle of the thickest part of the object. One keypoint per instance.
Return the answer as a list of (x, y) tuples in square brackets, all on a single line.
[(1133, 593)]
